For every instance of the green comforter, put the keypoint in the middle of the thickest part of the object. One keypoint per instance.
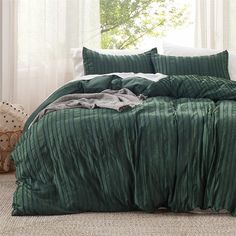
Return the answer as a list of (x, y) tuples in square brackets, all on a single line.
[(176, 150)]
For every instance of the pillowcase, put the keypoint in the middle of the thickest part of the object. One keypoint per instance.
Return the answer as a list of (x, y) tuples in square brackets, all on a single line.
[(214, 65), (77, 57), (176, 50), (97, 63)]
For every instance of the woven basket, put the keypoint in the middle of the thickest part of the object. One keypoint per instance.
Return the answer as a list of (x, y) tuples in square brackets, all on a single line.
[(12, 119), (8, 141)]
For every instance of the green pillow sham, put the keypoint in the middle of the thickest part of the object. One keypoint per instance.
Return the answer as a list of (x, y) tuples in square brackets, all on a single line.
[(97, 63), (213, 65)]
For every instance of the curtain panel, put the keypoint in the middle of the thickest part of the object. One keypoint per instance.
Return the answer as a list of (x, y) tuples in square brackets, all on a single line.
[(44, 32), (1, 50), (215, 23), (8, 48)]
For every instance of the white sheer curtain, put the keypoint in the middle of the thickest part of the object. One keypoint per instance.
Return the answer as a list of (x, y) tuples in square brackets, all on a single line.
[(215, 24), (44, 31), (8, 48)]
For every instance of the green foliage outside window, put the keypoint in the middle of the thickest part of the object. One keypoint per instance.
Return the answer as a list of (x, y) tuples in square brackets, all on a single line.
[(124, 23)]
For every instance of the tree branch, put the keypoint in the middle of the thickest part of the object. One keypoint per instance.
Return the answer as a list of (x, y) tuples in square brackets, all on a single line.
[(127, 43), (125, 19)]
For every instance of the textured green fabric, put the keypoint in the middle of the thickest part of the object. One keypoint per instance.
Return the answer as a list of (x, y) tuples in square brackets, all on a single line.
[(177, 150), (97, 63), (214, 65)]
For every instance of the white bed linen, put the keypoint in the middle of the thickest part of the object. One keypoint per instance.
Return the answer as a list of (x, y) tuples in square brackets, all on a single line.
[(153, 77)]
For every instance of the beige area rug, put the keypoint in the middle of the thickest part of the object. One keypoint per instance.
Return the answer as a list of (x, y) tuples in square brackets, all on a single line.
[(109, 224)]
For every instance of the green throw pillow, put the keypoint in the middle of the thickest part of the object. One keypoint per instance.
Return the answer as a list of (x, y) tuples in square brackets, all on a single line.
[(213, 65), (97, 63)]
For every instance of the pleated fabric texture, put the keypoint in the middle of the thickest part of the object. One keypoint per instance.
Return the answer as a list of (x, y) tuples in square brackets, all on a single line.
[(97, 63), (177, 150), (213, 65)]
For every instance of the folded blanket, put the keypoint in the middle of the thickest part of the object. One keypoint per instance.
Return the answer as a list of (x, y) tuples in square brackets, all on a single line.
[(111, 99)]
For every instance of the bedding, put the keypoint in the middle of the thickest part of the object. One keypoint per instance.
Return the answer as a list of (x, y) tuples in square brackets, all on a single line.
[(213, 65), (97, 63), (112, 99), (170, 49), (176, 150), (77, 57), (152, 76)]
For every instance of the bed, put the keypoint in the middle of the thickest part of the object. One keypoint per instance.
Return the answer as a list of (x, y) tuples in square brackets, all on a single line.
[(175, 150)]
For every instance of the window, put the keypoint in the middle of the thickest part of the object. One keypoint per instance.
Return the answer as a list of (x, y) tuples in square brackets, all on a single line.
[(142, 23)]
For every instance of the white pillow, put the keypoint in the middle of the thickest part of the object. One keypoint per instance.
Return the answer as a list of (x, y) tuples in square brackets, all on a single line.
[(78, 57), (170, 49)]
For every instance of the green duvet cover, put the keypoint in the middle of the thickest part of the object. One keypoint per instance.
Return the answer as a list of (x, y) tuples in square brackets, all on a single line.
[(176, 150)]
